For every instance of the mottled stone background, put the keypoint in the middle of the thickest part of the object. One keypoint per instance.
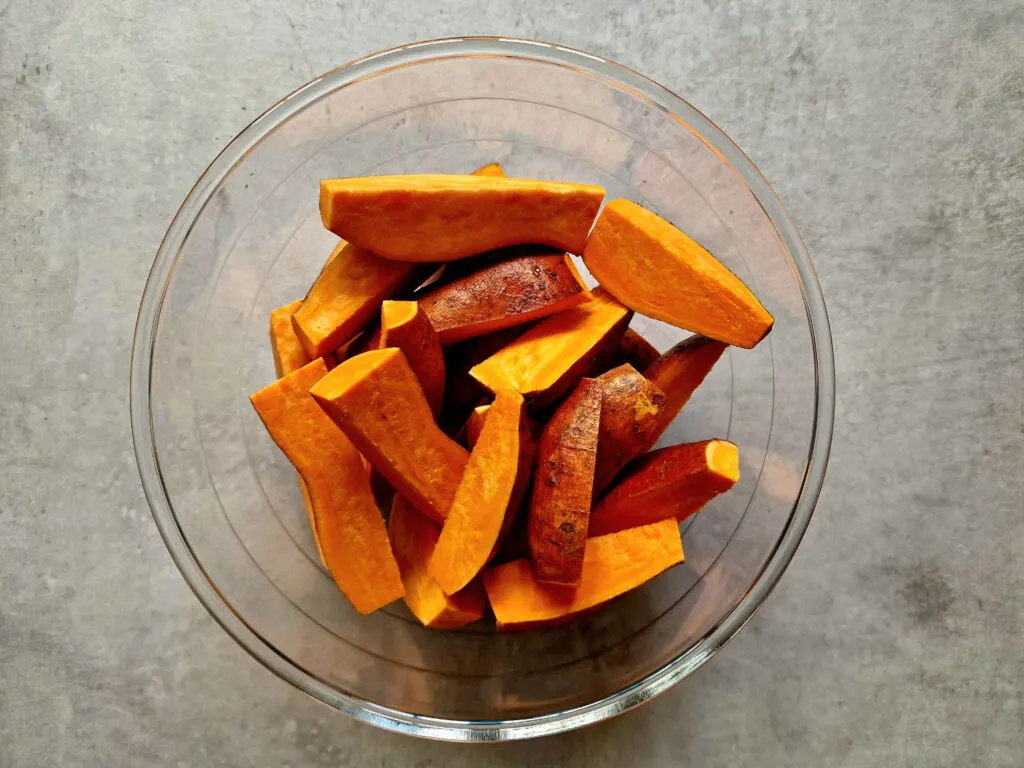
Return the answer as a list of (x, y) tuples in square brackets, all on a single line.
[(894, 132)]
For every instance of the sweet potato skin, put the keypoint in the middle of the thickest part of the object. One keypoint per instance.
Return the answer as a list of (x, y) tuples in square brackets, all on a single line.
[(483, 498), (549, 359), (670, 483), (405, 326), (348, 524), (630, 416), (413, 539), (378, 403), (678, 373), (635, 350), (504, 293), (563, 486), (448, 217), (347, 295), (659, 271), (612, 565)]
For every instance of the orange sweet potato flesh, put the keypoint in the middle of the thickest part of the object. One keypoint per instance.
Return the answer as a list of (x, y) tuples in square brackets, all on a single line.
[(528, 432), (502, 294), (612, 565), (348, 524), (405, 326), (289, 354), (548, 360), (671, 482), (448, 217), (347, 295), (482, 500), (653, 268), (377, 401), (491, 169), (562, 486), (462, 391), (630, 415), (678, 373), (635, 350), (413, 538)]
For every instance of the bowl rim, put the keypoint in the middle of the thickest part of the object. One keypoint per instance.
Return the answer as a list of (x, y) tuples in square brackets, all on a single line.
[(442, 728)]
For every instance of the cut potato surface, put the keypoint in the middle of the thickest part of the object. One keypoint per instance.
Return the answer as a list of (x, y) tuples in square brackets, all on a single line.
[(446, 217), (659, 271), (377, 401), (347, 521), (549, 359), (612, 565), (413, 538)]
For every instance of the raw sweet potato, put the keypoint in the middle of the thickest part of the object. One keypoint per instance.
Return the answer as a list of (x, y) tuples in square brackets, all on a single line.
[(348, 524), (653, 268), (377, 401), (678, 373), (671, 482), (347, 295), (529, 432), (443, 218), (405, 326), (612, 565), (630, 415), (504, 293), (549, 359), (635, 350), (477, 514), (413, 538), (563, 484), (289, 354), (491, 169)]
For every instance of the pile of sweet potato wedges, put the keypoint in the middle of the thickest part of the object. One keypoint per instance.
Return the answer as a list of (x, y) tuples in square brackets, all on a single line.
[(450, 366)]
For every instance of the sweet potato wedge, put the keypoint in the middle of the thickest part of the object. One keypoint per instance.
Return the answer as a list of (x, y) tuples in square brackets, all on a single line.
[(504, 293), (635, 350), (405, 326), (347, 295), (563, 486), (478, 511), (378, 403), (529, 432), (448, 217), (348, 524), (678, 373), (653, 268), (671, 482), (491, 169), (413, 538), (612, 565), (289, 354), (549, 359), (630, 415)]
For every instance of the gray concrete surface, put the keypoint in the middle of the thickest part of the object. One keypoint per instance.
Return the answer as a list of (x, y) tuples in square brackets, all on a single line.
[(895, 134)]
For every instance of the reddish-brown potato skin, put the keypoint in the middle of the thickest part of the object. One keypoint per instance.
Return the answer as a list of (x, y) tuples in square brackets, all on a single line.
[(503, 293), (563, 486), (635, 350), (630, 415)]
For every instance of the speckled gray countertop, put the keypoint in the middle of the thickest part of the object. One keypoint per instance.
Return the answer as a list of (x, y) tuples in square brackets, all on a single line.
[(894, 132)]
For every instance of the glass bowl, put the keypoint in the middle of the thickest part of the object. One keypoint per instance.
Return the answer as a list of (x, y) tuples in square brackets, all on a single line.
[(248, 238)]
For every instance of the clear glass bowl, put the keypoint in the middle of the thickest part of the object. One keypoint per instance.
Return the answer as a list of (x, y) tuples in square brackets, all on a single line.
[(248, 238)]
